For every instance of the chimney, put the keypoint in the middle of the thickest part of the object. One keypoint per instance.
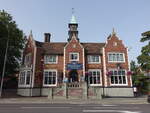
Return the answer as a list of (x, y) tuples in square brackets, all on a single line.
[(47, 37)]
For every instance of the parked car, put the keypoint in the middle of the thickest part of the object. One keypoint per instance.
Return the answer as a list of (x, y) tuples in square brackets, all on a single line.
[(148, 99)]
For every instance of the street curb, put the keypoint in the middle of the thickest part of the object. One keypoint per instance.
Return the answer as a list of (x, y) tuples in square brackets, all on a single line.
[(45, 100)]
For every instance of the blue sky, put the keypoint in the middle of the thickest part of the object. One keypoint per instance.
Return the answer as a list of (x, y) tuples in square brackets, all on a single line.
[(96, 18)]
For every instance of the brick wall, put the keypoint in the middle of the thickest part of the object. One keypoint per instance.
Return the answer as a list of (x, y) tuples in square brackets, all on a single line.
[(115, 45), (74, 46)]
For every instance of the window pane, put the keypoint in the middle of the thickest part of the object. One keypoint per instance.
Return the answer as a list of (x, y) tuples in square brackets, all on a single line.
[(120, 79), (73, 56), (28, 77), (124, 80)]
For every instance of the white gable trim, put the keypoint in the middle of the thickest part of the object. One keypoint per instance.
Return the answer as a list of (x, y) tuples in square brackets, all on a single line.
[(104, 67), (73, 37)]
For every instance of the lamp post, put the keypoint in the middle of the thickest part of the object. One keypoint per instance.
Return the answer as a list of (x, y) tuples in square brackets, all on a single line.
[(5, 59)]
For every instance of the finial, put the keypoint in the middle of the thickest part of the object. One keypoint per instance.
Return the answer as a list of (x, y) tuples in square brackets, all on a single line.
[(113, 32), (72, 11)]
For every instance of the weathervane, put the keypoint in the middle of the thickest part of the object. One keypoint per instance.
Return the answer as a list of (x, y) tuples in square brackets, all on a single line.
[(72, 11)]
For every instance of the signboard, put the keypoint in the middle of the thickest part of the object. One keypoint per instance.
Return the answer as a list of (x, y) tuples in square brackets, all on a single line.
[(74, 65)]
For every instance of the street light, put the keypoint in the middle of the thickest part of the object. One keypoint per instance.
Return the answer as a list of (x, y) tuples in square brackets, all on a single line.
[(5, 59)]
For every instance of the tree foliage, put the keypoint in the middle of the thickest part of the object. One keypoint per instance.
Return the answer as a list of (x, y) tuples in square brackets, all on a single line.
[(138, 78), (10, 31), (144, 58)]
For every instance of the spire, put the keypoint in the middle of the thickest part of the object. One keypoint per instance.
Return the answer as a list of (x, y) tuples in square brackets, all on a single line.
[(73, 19), (113, 32), (73, 27)]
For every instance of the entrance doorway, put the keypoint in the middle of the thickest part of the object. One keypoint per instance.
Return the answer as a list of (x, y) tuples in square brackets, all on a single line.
[(73, 76)]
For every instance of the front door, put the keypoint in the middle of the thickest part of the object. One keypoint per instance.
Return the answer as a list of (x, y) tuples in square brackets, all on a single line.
[(73, 76)]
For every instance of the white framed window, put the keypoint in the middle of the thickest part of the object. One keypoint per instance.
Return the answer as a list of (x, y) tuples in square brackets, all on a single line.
[(74, 56), (22, 78), (25, 78), (50, 78), (94, 77), (116, 57), (27, 60), (118, 77), (50, 59), (94, 59)]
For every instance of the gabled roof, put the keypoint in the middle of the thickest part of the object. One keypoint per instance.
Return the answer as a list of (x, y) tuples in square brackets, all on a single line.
[(93, 48), (54, 48), (58, 47)]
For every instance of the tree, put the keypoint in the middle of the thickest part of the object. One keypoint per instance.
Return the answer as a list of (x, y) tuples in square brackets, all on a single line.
[(138, 78), (144, 58), (10, 31)]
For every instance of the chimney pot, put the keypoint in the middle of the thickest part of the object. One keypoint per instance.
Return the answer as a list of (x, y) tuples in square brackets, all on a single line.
[(47, 37)]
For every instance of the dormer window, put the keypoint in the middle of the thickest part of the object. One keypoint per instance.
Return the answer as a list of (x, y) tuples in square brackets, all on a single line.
[(50, 59)]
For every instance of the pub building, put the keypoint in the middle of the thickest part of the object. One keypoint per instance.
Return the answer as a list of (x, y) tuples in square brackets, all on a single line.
[(49, 64)]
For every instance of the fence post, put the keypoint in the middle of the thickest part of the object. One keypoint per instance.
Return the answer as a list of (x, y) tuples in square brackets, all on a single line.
[(50, 95), (98, 93), (85, 90), (65, 90)]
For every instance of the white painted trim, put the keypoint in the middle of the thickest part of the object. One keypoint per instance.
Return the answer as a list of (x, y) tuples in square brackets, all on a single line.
[(64, 75), (83, 63), (100, 77), (73, 53), (116, 61), (51, 62), (73, 37), (129, 67), (34, 64), (104, 68), (94, 62), (44, 85)]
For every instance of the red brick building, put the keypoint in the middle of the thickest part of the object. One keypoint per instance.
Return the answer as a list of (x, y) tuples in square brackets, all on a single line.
[(48, 64)]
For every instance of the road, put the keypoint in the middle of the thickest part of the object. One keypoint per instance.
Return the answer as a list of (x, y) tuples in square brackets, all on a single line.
[(74, 108)]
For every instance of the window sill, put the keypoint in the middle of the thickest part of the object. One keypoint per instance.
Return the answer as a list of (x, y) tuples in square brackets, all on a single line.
[(24, 86), (44, 85), (94, 62), (116, 61), (51, 63), (118, 84), (95, 84)]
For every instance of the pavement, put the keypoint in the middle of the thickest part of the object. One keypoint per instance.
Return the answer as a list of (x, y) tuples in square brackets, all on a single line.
[(73, 108), (137, 100)]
